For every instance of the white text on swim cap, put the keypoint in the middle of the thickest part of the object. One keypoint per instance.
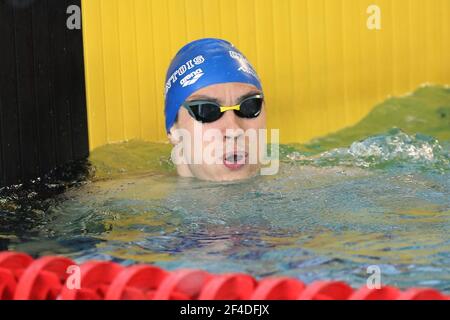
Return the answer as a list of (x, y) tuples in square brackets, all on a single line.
[(192, 78), (245, 65), (188, 65)]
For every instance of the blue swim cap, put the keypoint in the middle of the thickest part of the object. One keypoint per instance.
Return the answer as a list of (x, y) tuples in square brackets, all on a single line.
[(202, 63)]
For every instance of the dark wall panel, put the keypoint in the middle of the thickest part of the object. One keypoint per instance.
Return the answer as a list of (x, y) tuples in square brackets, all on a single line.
[(9, 118), (43, 86), (28, 120), (77, 94), (43, 115)]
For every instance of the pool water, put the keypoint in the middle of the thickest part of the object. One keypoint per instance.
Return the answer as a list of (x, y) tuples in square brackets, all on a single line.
[(373, 194)]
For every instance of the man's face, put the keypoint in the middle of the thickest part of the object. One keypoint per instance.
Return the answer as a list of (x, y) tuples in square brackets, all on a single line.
[(233, 144)]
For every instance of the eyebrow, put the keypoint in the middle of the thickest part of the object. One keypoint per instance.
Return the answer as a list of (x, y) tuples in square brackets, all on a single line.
[(212, 99)]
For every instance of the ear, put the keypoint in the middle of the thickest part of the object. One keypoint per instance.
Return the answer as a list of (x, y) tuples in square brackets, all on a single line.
[(172, 136)]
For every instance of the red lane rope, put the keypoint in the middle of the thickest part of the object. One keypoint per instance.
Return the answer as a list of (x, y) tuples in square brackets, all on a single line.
[(59, 278)]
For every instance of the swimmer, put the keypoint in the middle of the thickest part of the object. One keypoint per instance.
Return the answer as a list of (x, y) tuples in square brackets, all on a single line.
[(210, 85)]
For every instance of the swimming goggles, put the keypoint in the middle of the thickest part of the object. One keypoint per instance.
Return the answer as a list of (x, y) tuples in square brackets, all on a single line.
[(210, 111)]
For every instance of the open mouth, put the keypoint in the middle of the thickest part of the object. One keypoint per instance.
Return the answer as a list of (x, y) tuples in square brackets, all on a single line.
[(235, 160)]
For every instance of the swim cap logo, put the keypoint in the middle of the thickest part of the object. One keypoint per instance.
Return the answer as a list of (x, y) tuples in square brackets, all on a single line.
[(188, 65), (192, 78), (245, 65)]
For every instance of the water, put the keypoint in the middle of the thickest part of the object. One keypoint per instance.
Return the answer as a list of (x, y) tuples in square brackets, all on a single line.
[(329, 214)]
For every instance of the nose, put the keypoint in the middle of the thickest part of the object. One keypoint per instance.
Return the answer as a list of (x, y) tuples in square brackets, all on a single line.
[(230, 126)]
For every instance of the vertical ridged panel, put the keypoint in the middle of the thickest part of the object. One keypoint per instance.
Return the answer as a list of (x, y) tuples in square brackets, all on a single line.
[(321, 68)]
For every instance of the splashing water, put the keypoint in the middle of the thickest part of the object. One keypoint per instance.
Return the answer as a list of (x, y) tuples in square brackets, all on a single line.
[(393, 149), (384, 200)]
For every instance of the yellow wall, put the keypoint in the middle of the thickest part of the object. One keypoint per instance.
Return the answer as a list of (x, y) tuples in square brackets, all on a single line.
[(321, 68)]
